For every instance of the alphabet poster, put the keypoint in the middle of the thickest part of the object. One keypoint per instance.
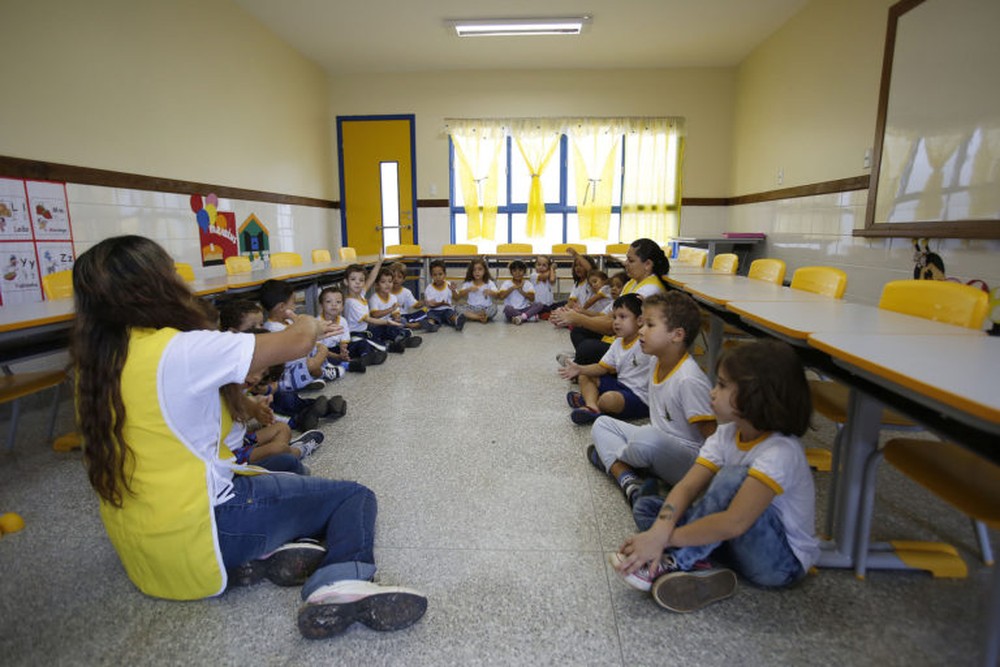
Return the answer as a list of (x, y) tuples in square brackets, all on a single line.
[(36, 237)]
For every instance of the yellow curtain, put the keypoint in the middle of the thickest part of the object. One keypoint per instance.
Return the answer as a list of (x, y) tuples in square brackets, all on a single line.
[(651, 192), (595, 147), (537, 141), (478, 147)]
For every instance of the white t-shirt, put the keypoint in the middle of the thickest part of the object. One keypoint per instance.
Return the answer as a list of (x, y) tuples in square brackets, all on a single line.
[(581, 293), (605, 302), (681, 400), (375, 302), (476, 296), (194, 365), (356, 313), (333, 342), (631, 364), (543, 290), (432, 293), (779, 461), (516, 299), (406, 300)]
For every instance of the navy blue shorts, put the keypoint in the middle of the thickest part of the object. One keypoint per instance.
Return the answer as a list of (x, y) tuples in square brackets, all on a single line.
[(634, 407)]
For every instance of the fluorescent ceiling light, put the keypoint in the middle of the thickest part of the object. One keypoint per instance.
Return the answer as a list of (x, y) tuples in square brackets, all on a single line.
[(518, 27)]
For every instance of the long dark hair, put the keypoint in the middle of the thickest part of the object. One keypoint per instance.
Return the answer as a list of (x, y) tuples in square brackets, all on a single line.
[(648, 249), (121, 283)]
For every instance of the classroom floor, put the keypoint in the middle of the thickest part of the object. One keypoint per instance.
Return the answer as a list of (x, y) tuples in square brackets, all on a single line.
[(488, 505)]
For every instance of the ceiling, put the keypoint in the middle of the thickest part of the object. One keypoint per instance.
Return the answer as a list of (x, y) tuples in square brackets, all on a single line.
[(357, 36)]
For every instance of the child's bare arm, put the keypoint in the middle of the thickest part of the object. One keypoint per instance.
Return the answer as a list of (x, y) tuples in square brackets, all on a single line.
[(573, 369)]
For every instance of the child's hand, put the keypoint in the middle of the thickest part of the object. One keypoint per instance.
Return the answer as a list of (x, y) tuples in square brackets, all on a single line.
[(263, 413), (569, 371), (642, 549)]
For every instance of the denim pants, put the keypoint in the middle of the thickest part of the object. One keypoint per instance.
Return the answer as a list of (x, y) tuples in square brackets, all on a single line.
[(270, 510), (761, 554)]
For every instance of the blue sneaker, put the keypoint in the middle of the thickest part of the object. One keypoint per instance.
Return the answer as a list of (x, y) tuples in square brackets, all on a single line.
[(584, 415)]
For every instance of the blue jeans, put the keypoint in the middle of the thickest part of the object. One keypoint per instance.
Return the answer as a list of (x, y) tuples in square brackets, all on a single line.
[(760, 555), (270, 510)]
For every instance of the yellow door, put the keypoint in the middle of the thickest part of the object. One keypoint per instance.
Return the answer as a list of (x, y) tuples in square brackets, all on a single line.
[(376, 182)]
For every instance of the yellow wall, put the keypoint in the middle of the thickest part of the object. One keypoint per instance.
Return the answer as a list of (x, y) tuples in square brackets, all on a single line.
[(188, 89), (704, 96), (807, 97)]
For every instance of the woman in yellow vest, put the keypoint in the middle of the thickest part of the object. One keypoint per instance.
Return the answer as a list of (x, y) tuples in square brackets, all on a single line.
[(645, 264), (157, 390)]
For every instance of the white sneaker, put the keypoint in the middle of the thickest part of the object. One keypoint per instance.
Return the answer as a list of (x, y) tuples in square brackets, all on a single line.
[(517, 319), (307, 443), (642, 579), (332, 372), (331, 609)]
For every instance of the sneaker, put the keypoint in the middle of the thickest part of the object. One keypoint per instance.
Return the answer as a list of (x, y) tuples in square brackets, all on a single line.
[(594, 459), (397, 346), (309, 418), (642, 579), (375, 358), (315, 385), (533, 318), (685, 592), (460, 322), (575, 399), (517, 319), (356, 366), (564, 358), (331, 609), (430, 326), (413, 341), (336, 407), (332, 372), (584, 415), (307, 443), (288, 565)]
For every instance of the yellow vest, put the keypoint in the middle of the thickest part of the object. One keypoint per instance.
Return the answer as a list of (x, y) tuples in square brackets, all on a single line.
[(164, 532)]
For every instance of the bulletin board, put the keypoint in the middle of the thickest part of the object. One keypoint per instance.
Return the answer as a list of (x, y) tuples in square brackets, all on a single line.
[(36, 237)]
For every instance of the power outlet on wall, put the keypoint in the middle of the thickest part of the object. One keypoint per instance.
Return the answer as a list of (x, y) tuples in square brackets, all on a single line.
[(867, 162), (781, 176)]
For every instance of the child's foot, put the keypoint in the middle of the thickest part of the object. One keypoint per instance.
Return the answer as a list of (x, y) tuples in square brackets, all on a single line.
[(642, 579), (397, 346), (564, 358), (332, 372), (375, 358), (356, 366), (336, 407), (315, 385), (429, 325), (459, 322), (594, 459), (685, 592), (413, 341), (584, 415), (331, 609), (307, 443), (308, 419), (575, 399), (517, 319), (288, 565)]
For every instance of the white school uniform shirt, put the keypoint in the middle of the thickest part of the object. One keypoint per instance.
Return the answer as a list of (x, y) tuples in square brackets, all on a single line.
[(296, 374), (375, 302), (631, 365), (333, 342), (680, 401), (581, 293), (406, 300), (779, 461), (356, 313), (432, 293), (602, 304), (515, 299), (476, 296), (543, 290)]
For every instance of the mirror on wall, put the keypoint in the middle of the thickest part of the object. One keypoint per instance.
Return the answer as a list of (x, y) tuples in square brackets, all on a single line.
[(936, 168)]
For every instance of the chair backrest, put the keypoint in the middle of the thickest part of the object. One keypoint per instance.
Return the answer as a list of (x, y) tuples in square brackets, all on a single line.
[(321, 256), (617, 248), (185, 270), (285, 260), (692, 256), (238, 264), (824, 280), (404, 249), (563, 248), (347, 253), (459, 249), (526, 248), (938, 300), (768, 270), (58, 285), (727, 262)]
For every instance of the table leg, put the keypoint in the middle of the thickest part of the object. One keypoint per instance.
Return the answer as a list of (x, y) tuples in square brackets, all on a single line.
[(714, 341)]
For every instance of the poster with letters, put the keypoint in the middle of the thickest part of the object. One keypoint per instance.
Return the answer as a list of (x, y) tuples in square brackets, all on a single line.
[(15, 223), (49, 210), (19, 277)]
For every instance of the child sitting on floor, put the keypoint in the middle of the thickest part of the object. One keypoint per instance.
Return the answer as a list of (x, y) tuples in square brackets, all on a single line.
[(382, 305), (478, 291), (518, 294), (623, 385), (544, 280), (438, 298), (331, 306), (360, 321), (601, 297), (312, 372), (410, 308), (756, 491)]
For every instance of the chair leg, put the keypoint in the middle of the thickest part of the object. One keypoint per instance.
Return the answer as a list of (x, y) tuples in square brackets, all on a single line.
[(15, 413), (55, 411), (866, 507), (831, 498), (983, 535), (991, 653)]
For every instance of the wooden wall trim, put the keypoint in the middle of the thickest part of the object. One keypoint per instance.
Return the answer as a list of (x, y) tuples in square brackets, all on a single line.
[(50, 171), (823, 188)]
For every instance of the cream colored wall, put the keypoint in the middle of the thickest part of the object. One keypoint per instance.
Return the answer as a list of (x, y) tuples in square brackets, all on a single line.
[(806, 97), (705, 97), (194, 90)]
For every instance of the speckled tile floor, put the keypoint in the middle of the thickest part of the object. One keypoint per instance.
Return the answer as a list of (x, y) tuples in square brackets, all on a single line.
[(487, 504)]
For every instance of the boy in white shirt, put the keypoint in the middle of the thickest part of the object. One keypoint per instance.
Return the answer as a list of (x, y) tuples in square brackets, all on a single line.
[(411, 309), (358, 315), (438, 298), (517, 293)]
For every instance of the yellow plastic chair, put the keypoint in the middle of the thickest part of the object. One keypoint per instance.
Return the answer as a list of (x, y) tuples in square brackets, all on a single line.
[(236, 264), (321, 256), (14, 387), (185, 270), (347, 253), (563, 248), (617, 248), (768, 270), (459, 249), (692, 256), (824, 280), (404, 249), (285, 260), (726, 263), (58, 285), (525, 248)]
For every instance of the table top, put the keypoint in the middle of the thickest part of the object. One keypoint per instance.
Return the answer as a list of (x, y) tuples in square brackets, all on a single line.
[(721, 289), (682, 274), (796, 320), (29, 315), (961, 373)]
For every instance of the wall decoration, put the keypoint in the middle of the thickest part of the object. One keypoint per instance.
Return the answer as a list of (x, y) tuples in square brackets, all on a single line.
[(254, 239), (216, 230)]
